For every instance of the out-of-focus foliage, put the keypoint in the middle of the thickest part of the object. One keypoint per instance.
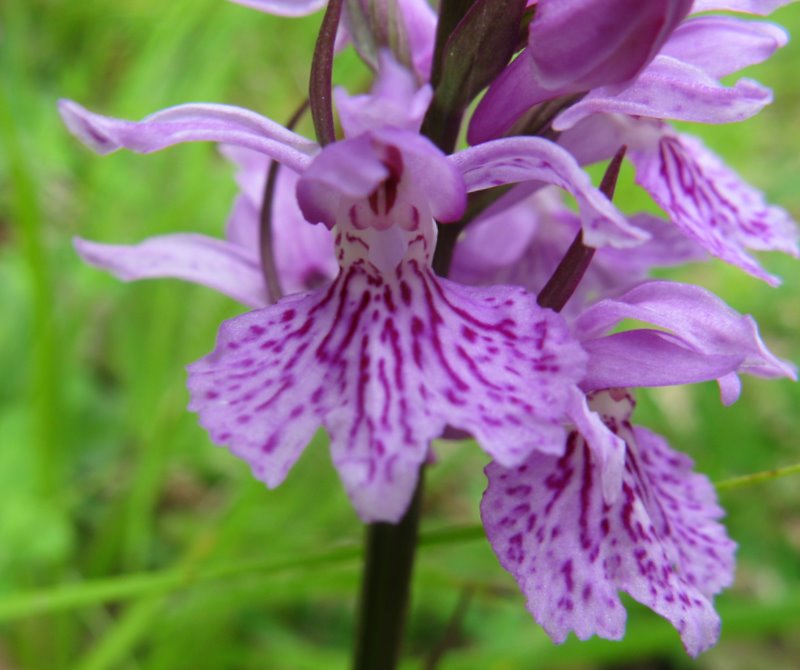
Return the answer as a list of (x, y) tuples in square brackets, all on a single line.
[(104, 473)]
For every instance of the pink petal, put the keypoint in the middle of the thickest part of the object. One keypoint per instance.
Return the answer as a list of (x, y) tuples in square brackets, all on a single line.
[(571, 551), (671, 89), (702, 328), (712, 205), (534, 159), (189, 123), (217, 264), (722, 45), (385, 363)]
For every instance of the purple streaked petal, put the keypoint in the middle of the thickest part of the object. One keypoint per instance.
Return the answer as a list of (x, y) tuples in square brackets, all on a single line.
[(217, 264), (571, 551), (722, 45), (511, 160), (385, 379), (712, 205), (607, 448), (759, 7), (671, 89), (189, 123), (293, 8)]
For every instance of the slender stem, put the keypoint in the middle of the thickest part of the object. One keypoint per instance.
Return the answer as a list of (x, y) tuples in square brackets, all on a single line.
[(573, 266), (268, 267), (319, 85), (385, 588)]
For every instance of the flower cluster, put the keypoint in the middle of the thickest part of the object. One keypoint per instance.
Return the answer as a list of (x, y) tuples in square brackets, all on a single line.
[(387, 355)]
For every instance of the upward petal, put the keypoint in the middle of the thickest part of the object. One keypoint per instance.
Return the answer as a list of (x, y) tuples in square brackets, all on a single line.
[(189, 123), (708, 339), (672, 89), (534, 159), (385, 363)]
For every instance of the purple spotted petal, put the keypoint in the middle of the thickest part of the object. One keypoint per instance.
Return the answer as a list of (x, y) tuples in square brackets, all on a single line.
[(722, 45), (534, 159), (384, 363), (760, 7), (189, 123), (706, 335), (711, 204), (221, 265), (571, 551), (671, 89), (284, 7)]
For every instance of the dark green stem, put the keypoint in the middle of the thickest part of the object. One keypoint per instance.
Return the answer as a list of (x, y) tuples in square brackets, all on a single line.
[(385, 588)]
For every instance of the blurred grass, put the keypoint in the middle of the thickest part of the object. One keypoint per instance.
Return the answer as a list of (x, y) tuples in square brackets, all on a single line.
[(104, 473)]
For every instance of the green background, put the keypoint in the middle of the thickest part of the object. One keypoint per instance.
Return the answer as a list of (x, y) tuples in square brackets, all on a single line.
[(104, 475)]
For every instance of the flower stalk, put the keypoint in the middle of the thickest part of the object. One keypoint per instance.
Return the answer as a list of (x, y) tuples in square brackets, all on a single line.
[(385, 588)]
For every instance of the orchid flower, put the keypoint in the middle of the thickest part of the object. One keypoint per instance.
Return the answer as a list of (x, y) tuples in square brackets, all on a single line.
[(571, 550), (387, 355), (706, 200), (551, 521), (673, 73)]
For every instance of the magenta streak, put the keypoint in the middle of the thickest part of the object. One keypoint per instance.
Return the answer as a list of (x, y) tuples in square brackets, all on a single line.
[(361, 385), (586, 489), (355, 319), (284, 387), (355, 239), (435, 319), (387, 393), (474, 369), (492, 327), (345, 283), (394, 340), (559, 484)]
